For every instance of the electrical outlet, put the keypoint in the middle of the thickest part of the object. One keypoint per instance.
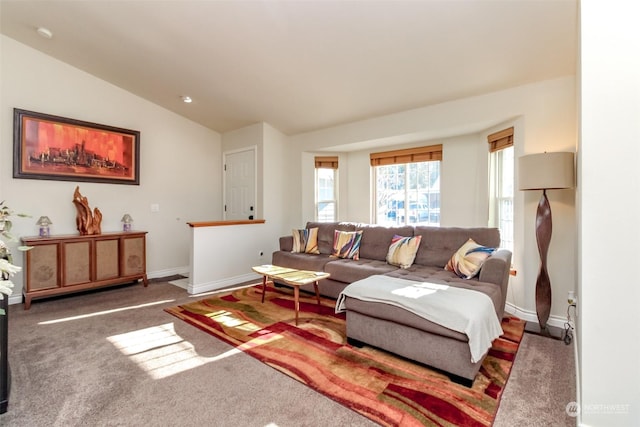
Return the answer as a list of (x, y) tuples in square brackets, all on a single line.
[(571, 298)]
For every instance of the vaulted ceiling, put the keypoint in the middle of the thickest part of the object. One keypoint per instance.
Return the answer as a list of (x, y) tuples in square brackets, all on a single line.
[(303, 65)]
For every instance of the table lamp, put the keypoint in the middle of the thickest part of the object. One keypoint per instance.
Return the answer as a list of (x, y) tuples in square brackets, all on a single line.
[(127, 221), (44, 223)]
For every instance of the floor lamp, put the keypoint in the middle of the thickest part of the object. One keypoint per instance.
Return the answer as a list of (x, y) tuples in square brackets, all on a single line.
[(545, 171)]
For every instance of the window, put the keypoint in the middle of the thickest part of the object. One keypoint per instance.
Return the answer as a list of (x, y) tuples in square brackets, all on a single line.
[(407, 186), (326, 189), (501, 185)]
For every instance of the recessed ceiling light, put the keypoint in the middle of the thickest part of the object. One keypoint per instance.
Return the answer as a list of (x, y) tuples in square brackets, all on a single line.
[(44, 33), (187, 99)]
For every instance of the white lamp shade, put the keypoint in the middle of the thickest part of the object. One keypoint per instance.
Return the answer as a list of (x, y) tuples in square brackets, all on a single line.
[(546, 171), (44, 221)]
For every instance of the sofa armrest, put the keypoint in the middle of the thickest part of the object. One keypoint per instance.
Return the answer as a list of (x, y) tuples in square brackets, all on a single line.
[(496, 270), (286, 243)]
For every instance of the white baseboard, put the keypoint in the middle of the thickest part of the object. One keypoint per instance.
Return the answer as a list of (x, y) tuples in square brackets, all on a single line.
[(17, 297), (531, 316), (223, 283), (183, 271), (578, 385)]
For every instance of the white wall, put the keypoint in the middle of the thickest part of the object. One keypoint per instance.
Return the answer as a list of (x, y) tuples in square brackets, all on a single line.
[(176, 157), (609, 295), (359, 207), (544, 117), (274, 180), (464, 178), (223, 255)]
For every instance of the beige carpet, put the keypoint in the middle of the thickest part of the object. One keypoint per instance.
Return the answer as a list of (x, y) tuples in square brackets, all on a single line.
[(115, 358)]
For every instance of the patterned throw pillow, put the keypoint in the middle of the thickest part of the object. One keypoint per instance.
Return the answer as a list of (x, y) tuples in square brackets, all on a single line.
[(402, 250), (305, 241), (346, 244), (468, 260)]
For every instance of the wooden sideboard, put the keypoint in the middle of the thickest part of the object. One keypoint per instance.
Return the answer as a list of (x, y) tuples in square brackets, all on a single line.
[(63, 264)]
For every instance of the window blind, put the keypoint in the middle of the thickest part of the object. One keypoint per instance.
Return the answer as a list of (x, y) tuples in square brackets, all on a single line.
[(500, 140), (327, 162), (409, 155)]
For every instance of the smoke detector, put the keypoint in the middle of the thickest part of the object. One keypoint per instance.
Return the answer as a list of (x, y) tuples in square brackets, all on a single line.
[(44, 33)]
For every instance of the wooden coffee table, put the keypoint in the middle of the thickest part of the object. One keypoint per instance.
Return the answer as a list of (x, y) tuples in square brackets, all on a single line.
[(293, 277)]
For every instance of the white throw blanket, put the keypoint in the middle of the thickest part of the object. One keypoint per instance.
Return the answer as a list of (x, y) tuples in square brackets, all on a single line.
[(458, 309)]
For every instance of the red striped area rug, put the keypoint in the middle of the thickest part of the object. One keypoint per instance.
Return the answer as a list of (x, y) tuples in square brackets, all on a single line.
[(389, 390)]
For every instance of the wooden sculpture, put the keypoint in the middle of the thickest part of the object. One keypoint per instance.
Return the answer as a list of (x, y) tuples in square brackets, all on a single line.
[(86, 222)]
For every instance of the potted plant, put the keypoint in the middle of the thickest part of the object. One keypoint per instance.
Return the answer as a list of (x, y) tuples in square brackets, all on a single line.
[(7, 268)]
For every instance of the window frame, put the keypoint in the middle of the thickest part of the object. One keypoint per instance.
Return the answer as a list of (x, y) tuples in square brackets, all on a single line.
[(326, 163), (407, 157), (499, 143)]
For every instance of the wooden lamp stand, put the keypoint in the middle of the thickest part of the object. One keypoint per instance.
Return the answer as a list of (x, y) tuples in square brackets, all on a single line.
[(543, 282)]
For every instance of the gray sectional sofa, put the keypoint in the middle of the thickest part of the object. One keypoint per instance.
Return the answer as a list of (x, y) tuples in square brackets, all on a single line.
[(392, 328)]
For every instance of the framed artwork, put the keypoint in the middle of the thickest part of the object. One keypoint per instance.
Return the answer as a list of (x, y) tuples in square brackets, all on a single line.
[(58, 148)]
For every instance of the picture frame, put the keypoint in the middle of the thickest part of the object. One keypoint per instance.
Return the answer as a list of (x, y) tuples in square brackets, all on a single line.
[(58, 148)]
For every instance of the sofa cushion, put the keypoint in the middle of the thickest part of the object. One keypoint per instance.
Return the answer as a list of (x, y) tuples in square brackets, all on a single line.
[(300, 261), (305, 241), (468, 260), (440, 243), (348, 270), (376, 239), (402, 250), (432, 274), (424, 273), (346, 244)]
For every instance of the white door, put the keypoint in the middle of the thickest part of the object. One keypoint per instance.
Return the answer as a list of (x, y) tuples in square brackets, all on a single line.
[(240, 184)]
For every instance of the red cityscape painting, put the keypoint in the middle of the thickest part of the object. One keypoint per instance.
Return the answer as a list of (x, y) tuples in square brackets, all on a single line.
[(52, 147)]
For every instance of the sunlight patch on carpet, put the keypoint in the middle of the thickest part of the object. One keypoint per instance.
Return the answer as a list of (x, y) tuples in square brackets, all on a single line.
[(224, 290), (102, 313), (227, 319), (160, 352)]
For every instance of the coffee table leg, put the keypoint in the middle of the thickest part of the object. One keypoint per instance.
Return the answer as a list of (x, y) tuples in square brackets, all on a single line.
[(264, 287), (315, 287), (296, 301)]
